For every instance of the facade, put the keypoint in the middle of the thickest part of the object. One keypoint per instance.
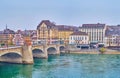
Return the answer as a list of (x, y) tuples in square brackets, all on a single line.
[(96, 32), (6, 37), (64, 32), (18, 40), (79, 38), (112, 36), (47, 31), (112, 40), (34, 38)]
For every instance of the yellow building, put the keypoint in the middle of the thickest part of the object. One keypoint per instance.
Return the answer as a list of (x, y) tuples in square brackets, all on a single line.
[(6, 39), (47, 31), (64, 32)]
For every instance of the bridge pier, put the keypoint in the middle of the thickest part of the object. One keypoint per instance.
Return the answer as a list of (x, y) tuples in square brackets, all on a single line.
[(58, 49), (27, 54), (45, 51), (40, 51)]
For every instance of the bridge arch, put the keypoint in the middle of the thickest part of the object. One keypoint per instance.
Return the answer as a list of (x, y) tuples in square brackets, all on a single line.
[(38, 53), (62, 48), (37, 50), (51, 50), (5, 53), (12, 57)]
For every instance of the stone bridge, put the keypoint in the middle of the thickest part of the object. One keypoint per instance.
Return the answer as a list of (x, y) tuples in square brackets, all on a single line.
[(17, 50), (42, 51), (25, 54)]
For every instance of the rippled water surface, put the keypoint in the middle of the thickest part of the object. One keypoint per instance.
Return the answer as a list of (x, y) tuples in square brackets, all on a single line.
[(66, 66)]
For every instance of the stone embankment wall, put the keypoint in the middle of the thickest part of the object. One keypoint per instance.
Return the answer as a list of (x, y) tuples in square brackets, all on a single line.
[(73, 49)]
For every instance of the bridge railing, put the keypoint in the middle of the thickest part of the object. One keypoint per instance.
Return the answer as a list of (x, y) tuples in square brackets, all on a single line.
[(13, 47)]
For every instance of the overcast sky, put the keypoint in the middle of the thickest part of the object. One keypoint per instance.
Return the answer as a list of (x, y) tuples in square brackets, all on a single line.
[(27, 14)]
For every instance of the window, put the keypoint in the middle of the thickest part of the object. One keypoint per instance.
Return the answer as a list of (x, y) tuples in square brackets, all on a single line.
[(71, 37), (85, 38), (76, 37), (79, 38), (82, 38)]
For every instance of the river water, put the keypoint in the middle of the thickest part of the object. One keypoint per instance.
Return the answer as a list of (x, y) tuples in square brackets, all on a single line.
[(66, 66)]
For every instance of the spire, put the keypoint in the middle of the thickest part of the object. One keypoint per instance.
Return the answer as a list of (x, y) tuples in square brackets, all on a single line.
[(6, 26)]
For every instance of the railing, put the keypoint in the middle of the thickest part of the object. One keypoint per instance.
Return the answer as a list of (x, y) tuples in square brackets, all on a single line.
[(3, 48)]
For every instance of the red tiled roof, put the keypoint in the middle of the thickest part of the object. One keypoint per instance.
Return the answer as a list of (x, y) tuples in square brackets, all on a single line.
[(79, 33)]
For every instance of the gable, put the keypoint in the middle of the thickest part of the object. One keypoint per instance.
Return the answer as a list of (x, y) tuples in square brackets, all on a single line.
[(43, 25)]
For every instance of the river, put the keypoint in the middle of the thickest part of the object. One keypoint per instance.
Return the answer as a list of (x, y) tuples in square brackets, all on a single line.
[(66, 66)]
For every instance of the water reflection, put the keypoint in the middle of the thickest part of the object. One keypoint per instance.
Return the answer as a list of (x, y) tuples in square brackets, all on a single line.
[(15, 71)]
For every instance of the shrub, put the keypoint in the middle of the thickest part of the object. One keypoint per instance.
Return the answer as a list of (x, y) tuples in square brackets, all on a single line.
[(102, 50)]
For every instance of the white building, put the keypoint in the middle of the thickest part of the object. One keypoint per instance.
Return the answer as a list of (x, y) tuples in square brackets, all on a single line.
[(112, 36), (96, 32), (18, 40), (79, 38), (112, 40)]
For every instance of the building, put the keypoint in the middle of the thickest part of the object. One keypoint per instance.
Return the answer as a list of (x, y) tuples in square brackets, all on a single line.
[(18, 40), (25, 32), (79, 38), (34, 37), (6, 36), (112, 36), (112, 40), (96, 32), (3, 39), (64, 32), (47, 31), (112, 30)]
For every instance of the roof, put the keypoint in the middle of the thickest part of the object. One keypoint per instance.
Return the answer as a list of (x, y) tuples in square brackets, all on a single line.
[(66, 28), (47, 22), (98, 25), (79, 33), (8, 31), (112, 30)]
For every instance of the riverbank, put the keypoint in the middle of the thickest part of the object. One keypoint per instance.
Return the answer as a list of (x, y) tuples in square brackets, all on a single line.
[(92, 51)]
